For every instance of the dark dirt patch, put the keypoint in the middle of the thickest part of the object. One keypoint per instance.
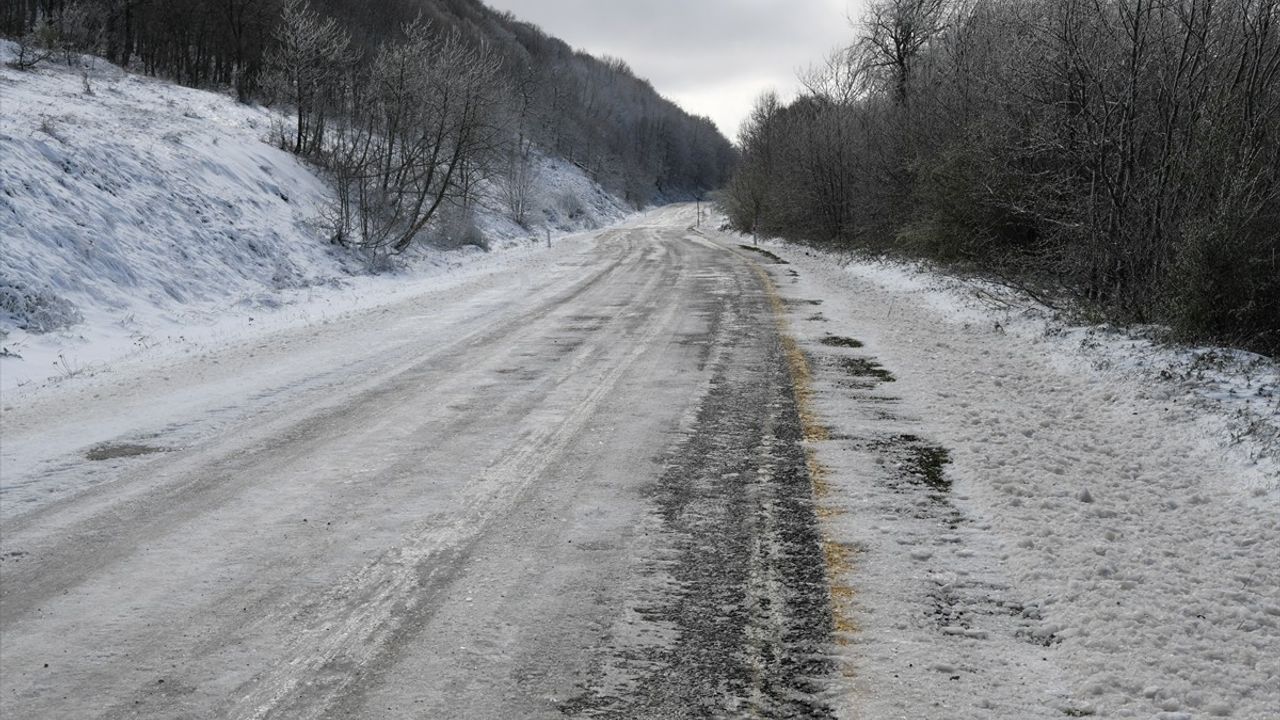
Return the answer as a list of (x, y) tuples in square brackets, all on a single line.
[(115, 451), (816, 317), (865, 367), (926, 462), (761, 251), (919, 461), (837, 341), (918, 465)]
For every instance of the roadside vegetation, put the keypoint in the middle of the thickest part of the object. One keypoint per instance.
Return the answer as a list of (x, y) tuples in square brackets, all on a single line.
[(1120, 155)]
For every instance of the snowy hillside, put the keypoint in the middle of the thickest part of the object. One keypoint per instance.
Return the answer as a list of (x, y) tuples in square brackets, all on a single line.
[(132, 210)]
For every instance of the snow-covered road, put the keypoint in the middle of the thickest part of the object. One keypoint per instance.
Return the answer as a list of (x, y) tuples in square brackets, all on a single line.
[(645, 474)]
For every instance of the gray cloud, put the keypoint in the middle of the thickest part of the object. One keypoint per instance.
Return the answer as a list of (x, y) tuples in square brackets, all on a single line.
[(714, 57)]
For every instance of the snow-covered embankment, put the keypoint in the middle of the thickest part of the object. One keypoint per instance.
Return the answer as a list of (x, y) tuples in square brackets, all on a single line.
[(136, 214)]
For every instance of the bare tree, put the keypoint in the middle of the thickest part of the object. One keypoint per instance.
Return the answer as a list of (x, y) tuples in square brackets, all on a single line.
[(37, 44), (312, 54), (841, 78), (418, 140), (517, 181), (897, 32), (753, 186)]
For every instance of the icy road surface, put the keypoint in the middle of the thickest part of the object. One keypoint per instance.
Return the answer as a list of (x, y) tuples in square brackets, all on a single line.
[(578, 491)]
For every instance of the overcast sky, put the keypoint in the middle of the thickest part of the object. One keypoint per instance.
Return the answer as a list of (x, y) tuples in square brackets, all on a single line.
[(714, 57)]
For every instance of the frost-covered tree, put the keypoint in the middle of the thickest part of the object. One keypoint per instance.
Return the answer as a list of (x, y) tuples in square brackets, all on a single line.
[(897, 33), (517, 180), (420, 126), (1120, 154), (311, 57), (755, 184), (37, 44)]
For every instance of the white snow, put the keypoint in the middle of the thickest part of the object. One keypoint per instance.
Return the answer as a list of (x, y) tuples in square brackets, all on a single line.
[(1234, 394), (142, 216), (1110, 541)]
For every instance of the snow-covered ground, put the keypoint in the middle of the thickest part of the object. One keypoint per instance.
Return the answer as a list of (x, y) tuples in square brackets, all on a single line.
[(137, 215), (1039, 520)]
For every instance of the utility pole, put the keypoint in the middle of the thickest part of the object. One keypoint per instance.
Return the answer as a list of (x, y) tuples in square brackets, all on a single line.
[(548, 238)]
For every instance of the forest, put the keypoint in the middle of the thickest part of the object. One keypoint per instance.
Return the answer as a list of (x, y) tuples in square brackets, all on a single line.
[(409, 104), (1120, 157)]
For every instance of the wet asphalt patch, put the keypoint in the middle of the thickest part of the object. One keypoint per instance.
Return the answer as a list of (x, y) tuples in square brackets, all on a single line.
[(746, 606), (116, 451)]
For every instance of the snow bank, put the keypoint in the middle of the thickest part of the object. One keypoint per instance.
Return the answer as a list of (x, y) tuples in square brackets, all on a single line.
[(1233, 394), (138, 212), (1103, 539), (563, 200)]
